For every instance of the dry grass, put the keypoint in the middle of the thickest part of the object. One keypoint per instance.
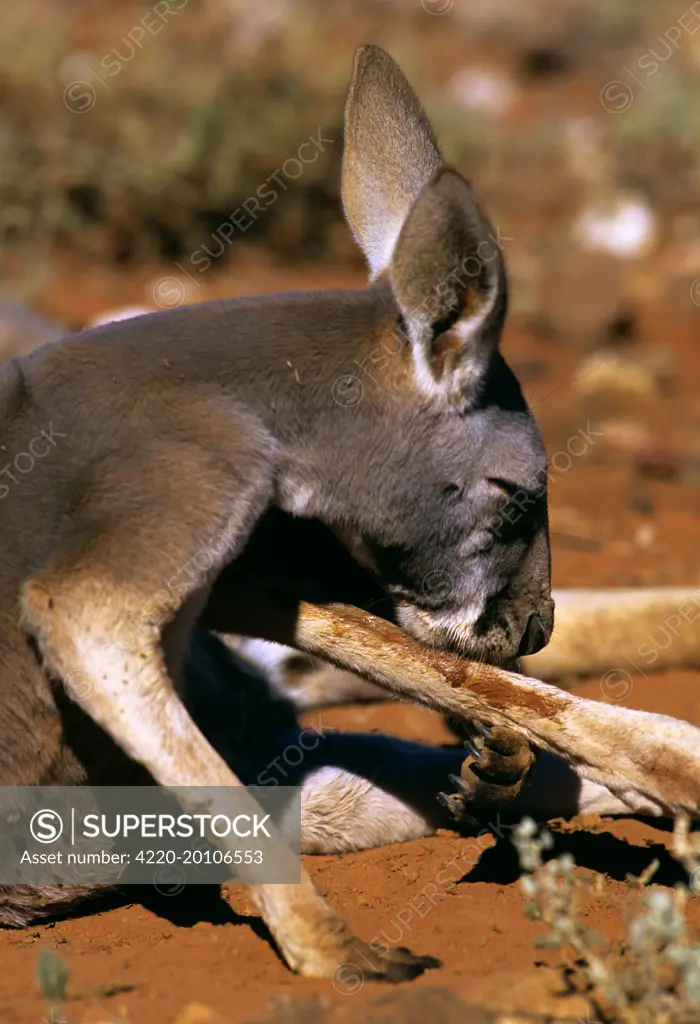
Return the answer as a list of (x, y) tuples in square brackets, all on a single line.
[(133, 136)]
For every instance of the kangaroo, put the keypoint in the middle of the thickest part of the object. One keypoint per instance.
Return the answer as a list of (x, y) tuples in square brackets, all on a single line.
[(166, 437), (164, 441)]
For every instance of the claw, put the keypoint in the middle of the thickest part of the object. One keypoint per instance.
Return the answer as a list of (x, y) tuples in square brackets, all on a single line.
[(457, 811), (466, 789), (484, 730), (473, 750), (452, 805)]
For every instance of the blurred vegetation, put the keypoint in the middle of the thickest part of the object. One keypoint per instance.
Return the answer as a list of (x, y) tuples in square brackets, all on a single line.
[(132, 130)]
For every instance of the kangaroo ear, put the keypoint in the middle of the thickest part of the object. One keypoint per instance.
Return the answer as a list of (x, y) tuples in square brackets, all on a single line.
[(390, 154), (449, 280)]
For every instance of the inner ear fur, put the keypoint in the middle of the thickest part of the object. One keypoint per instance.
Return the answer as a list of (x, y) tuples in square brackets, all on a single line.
[(448, 277)]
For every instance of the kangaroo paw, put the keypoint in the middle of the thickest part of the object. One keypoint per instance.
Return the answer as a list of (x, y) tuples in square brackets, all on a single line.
[(498, 763)]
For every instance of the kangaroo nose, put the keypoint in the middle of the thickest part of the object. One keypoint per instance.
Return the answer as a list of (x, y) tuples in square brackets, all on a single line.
[(534, 637)]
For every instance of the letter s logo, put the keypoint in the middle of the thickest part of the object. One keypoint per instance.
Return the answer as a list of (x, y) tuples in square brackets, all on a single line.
[(46, 826)]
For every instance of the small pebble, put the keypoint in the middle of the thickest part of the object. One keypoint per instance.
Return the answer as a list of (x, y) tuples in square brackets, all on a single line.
[(624, 226), (625, 434), (645, 536), (198, 1013), (483, 88), (639, 374)]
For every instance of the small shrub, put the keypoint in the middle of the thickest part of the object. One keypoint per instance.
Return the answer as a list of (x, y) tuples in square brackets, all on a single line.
[(652, 976)]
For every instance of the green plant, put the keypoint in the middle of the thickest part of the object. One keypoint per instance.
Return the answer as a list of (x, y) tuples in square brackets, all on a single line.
[(654, 975)]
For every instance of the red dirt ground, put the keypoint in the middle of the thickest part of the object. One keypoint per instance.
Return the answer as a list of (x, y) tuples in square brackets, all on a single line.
[(610, 526)]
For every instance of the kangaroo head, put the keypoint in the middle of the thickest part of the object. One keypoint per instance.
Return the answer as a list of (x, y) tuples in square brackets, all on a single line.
[(438, 481)]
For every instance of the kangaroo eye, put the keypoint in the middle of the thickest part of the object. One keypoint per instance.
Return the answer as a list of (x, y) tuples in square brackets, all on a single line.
[(452, 491), (505, 486)]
